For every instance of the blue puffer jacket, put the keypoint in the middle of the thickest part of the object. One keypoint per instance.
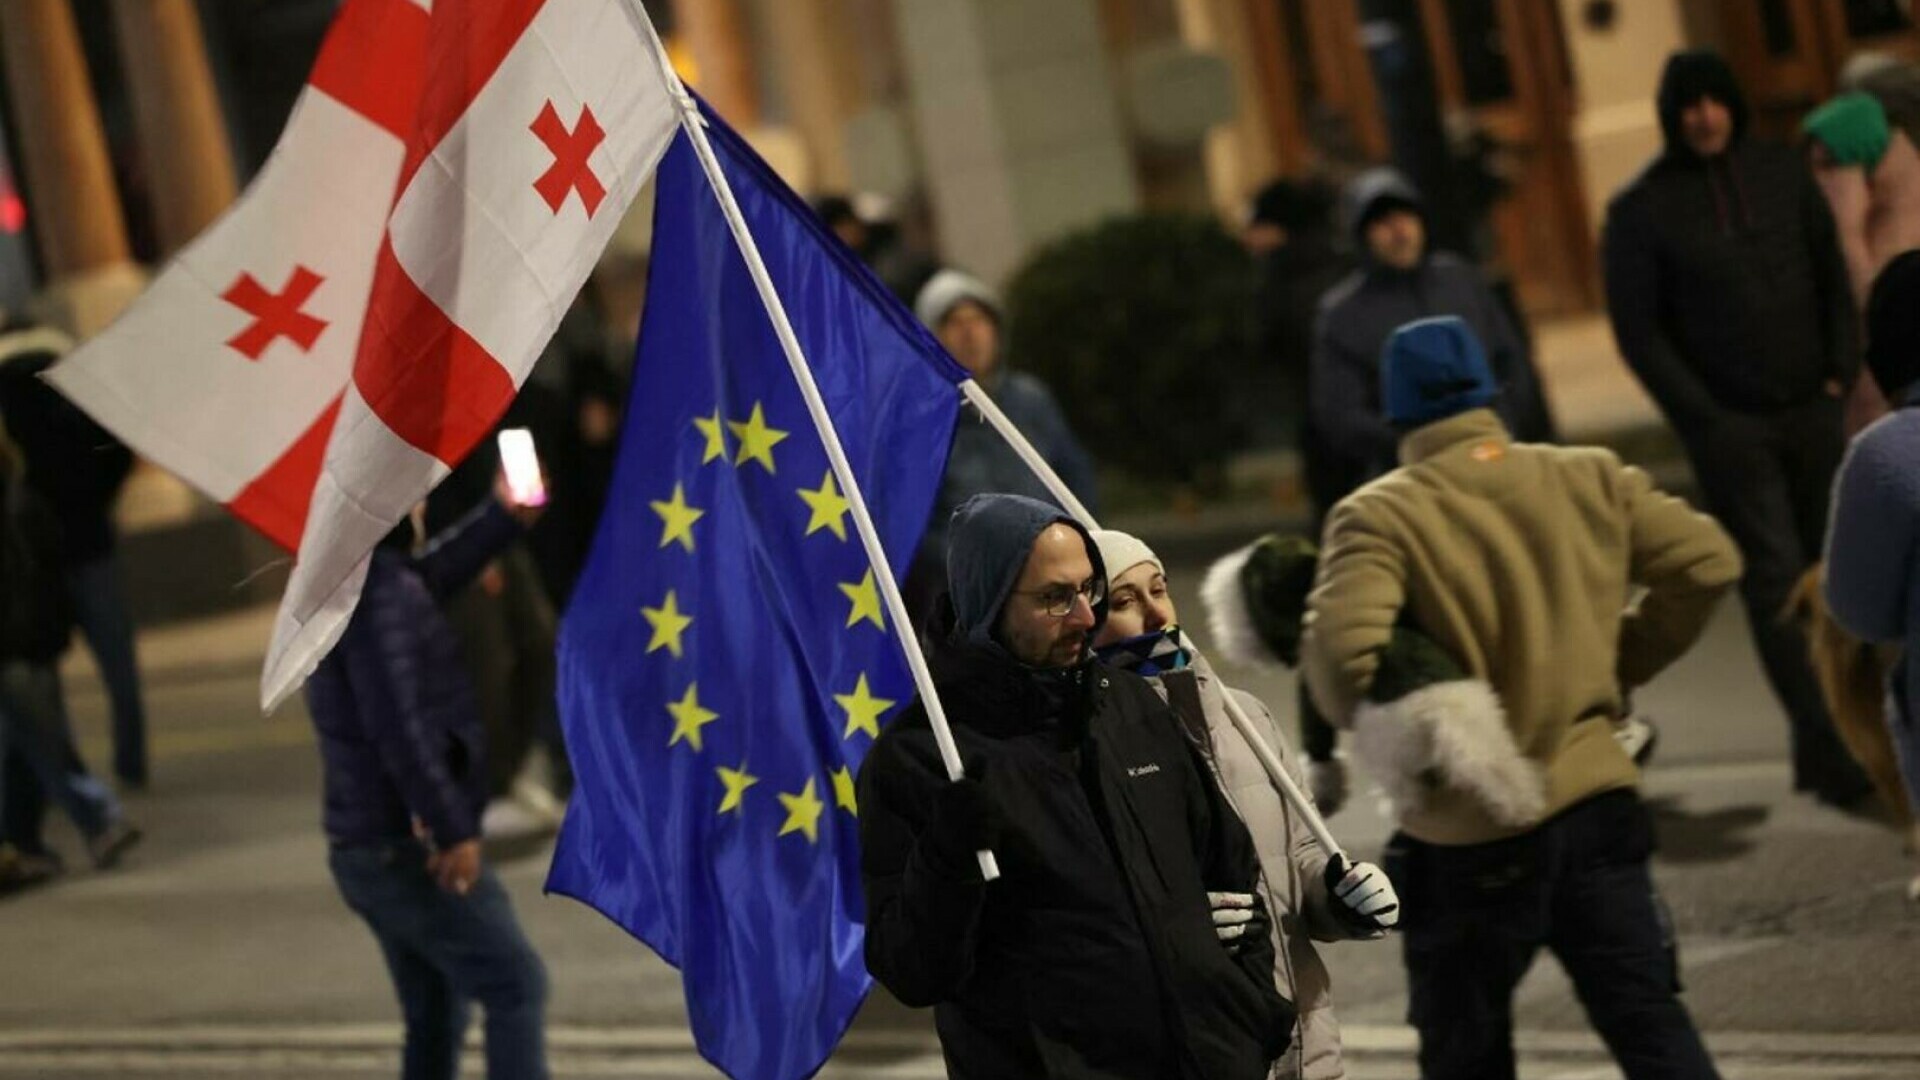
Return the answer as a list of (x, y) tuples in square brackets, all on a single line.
[(400, 732)]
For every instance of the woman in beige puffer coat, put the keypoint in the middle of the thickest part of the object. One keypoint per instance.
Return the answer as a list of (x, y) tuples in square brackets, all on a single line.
[(1141, 635)]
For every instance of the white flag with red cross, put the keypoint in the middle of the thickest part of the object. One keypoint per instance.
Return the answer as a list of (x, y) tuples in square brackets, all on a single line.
[(323, 355)]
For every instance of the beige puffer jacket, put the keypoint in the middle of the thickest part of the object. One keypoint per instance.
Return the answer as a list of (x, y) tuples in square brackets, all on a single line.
[(1291, 864)]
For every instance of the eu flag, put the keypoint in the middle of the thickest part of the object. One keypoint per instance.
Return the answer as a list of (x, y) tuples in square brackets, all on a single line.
[(726, 661)]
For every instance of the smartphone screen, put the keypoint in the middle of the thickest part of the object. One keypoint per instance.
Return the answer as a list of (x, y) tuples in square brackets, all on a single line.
[(522, 466)]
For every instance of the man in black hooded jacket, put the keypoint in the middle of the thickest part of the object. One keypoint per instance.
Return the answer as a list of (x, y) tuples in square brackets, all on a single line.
[(1729, 299), (1095, 955)]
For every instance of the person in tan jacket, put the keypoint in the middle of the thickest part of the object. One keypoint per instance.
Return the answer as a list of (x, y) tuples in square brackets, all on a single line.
[(1518, 561), (1306, 894)]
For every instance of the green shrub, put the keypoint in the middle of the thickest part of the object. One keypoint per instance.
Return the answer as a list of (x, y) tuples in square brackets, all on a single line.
[(1141, 326)]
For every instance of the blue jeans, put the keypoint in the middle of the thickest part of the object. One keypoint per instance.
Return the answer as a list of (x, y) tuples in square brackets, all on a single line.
[(445, 951), (1475, 915), (100, 607), (36, 750)]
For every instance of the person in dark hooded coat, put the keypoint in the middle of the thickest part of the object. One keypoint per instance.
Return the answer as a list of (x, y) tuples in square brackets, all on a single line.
[(1729, 298), (1096, 953)]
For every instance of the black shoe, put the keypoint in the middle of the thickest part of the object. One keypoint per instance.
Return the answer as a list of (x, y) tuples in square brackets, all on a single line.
[(20, 871), (1847, 796), (113, 842)]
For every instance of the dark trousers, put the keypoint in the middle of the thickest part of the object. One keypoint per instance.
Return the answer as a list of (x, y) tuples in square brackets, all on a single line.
[(506, 628), (38, 761), (1768, 479), (445, 951), (100, 609), (1474, 916)]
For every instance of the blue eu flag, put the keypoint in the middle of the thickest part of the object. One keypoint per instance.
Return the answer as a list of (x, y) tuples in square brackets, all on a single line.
[(726, 661)]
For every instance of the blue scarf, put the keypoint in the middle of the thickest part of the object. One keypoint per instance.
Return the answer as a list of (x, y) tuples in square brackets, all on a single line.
[(1149, 655)]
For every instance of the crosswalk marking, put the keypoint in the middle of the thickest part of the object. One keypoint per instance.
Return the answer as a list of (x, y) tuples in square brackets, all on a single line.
[(1381, 1052)]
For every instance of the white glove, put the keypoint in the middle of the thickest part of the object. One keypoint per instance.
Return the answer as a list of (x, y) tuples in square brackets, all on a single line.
[(1363, 898), (1235, 916), (1636, 736), (1328, 782)]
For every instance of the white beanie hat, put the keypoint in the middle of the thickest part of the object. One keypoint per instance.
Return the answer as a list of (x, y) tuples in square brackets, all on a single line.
[(1122, 552), (946, 289)]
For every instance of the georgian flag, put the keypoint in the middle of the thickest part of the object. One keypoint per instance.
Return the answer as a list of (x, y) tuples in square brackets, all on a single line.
[(323, 355)]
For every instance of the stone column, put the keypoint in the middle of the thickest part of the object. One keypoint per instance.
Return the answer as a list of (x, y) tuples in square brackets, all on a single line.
[(75, 206), (1016, 121), (1240, 155), (182, 131), (821, 76), (714, 33), (1616, 71)]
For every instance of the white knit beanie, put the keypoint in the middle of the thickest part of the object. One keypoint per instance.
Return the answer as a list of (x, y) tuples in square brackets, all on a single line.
[(946, 289), (1122, 552)]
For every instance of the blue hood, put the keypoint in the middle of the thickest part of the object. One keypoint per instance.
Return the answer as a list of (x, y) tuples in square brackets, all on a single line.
[(1431, 369), (987, 547)]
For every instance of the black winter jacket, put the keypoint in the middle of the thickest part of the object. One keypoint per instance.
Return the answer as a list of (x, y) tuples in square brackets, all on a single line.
[(77, 466), (400, 731), (36, 619), (1094, 955), (1725, 281)]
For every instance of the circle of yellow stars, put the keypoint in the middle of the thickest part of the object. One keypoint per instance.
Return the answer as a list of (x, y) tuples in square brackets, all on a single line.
[(754, 441)]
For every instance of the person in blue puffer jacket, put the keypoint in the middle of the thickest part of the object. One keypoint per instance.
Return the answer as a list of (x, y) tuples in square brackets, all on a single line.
[(1873, 540), (403, 755)]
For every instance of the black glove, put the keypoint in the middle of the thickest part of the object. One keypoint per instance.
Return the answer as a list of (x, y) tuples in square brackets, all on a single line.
[(1362, 898), (965, 820)]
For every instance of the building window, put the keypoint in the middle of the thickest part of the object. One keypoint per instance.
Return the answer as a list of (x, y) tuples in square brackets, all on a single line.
[(1776, 25), (1872, 18), (1486, 75)]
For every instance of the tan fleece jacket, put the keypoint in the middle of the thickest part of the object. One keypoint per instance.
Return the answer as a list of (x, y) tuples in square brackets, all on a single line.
[(1519, 561)]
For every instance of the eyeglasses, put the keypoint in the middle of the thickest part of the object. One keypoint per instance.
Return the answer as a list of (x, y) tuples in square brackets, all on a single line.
[(1057, 600)]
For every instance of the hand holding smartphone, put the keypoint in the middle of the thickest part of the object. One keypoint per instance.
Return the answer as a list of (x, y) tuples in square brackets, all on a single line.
[(520, 465)]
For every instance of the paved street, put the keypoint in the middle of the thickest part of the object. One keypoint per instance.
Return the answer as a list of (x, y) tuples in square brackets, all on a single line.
[(221, 949)]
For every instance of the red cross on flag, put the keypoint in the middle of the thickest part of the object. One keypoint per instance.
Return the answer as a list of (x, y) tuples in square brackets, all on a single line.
[(324, 354)]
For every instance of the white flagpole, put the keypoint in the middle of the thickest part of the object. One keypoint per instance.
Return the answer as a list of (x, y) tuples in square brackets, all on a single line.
[(1276, 772), (694, 125)]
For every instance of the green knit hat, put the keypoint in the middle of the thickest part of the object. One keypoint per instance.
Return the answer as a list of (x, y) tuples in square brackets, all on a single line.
[(1274, 584), (1853, 128)]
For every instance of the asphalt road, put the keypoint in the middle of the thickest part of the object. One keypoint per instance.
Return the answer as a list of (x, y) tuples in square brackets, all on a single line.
[(221, 948)]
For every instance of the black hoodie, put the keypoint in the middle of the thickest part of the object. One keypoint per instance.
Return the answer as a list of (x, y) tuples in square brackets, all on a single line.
[(1725, 281), (1094, 955)]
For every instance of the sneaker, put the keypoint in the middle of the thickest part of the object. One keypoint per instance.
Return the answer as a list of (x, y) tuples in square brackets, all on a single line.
[(510, 819), (23, 870), (535, 797), (112, 842)]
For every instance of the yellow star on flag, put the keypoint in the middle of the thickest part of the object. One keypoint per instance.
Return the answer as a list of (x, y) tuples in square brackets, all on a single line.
[(716, 436), (863, 709), (689, 717), (678, 518), (737, 782), (829, 508), (866, 601), (757, 440), (843, 790), (803, 813), (668, 624)]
